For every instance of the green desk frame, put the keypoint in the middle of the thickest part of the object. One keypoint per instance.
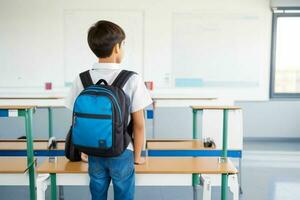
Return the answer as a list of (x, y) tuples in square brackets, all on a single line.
[(199, 109), (27, 112)]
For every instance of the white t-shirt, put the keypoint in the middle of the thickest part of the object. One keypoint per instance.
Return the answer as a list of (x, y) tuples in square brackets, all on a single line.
[(134, 87)]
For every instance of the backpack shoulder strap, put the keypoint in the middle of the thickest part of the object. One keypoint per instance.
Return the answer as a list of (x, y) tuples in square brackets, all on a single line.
[(122, 78), (86, 78)]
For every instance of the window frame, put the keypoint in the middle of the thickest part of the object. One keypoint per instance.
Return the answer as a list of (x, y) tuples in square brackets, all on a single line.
[(275, 16)]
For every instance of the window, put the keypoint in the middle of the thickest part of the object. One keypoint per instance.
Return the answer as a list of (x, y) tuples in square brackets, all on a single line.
[(285, 62)]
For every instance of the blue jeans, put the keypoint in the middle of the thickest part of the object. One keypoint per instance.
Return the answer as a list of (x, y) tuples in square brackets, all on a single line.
[(119, 169)]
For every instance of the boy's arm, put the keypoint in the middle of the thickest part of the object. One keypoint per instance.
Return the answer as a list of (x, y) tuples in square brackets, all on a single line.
[(139, 135)]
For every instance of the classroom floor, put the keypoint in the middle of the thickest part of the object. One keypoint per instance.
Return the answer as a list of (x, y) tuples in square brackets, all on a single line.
[(271, 171)]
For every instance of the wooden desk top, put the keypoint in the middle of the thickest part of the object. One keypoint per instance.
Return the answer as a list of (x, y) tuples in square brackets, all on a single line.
[(185, 165), (13, 165), (21, 145), (153, 165), (215, 107), (175, 145), (17, 107)]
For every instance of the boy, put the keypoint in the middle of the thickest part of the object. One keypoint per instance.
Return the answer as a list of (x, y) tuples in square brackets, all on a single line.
[(106, 40)]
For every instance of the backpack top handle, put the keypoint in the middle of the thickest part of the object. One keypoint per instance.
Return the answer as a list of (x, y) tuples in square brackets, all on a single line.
[(101, 81)]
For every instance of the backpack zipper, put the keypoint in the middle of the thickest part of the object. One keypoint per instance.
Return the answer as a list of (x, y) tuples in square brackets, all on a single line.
[(95, 116), (111, 96)]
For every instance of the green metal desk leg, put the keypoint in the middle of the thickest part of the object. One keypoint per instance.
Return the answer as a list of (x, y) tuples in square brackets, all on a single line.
[(224, 186), (196, 186), (224, 154), (195, 177), (30, 155), (196, 181), (53, 186), (50, 121), (225, 132), (194, 124)]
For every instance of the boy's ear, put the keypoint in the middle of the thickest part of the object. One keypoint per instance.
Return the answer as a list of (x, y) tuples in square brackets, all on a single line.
[(117, 48)]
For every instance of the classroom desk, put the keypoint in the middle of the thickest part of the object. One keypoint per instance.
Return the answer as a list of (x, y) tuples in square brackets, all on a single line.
[(157, 171), (25, 111), (175, 100), (155, 148), (166, 147), (42, 99), (13, 171), (199, 109), (48, 100)]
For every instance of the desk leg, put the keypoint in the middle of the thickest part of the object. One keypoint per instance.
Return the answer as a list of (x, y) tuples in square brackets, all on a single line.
[(224, 154), (153, 120), (50, 122), (224, 186), (196, 113), (196, 186), (53, 186), (225, 132), (196, 177), (194, 124), (30, 156)]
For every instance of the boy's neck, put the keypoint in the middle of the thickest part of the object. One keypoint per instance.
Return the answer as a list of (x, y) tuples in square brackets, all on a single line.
[(107, 60)]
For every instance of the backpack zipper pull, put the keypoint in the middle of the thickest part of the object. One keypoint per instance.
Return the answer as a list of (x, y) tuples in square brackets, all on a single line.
[(74, 120)]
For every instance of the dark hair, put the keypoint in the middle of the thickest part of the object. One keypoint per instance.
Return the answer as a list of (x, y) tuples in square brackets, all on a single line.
[(103, 36)]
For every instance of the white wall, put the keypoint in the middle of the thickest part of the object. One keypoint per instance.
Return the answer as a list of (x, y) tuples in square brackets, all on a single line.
[(285, 3), (31, 38), (32, 49)]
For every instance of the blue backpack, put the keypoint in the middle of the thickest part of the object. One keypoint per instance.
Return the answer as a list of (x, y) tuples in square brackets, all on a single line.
[(100, 117)]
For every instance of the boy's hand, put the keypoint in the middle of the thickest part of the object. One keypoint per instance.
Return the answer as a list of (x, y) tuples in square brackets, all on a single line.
[(139, 161), (84, 157)]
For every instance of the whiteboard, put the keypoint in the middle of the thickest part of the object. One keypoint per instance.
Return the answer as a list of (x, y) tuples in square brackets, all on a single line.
[(217, 50), (77, 54)]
